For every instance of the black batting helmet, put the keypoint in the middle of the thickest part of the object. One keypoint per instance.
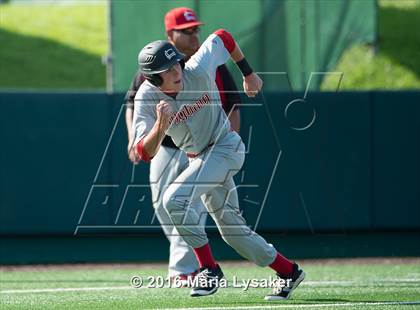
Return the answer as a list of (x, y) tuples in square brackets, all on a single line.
[(157, 57)]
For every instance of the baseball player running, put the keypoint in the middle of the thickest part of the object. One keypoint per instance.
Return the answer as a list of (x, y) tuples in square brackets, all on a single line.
[(182, 28), (181, 100)]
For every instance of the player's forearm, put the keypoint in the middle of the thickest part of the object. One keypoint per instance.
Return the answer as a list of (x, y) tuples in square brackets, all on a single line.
[(235, 120), (235, 51), (240, 60), (237, 54), (151, 142), (252, 83)]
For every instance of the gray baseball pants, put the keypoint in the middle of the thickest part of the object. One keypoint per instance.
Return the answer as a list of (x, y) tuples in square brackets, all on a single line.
[(209, 177), (165, 167)]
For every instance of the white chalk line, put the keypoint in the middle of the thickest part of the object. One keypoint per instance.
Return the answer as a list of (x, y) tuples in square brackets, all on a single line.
[(65, 289)]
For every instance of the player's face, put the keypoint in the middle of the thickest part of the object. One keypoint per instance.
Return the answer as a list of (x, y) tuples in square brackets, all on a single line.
[(187, 41), (172, 79)]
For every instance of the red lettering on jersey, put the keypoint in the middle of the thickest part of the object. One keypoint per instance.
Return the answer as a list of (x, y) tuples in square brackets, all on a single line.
[(188, 110)]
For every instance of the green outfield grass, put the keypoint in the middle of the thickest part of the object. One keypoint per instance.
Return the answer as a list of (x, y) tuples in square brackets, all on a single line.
[(396, 65), (53, 46), (48, 46), (346, 285)]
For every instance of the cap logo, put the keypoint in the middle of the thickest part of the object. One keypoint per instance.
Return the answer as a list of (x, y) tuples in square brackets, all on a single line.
[(169, 53), (189, 16)]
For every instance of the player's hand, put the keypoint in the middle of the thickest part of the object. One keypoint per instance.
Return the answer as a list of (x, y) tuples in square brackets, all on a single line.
[(252, 84), (132, 154), (164, 112)]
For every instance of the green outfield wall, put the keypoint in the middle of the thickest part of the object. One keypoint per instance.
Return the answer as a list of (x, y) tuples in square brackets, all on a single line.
[(334, 164), (296, 37)]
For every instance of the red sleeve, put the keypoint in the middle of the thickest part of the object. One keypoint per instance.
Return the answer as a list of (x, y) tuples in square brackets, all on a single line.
[(142, 152), (227, 39)]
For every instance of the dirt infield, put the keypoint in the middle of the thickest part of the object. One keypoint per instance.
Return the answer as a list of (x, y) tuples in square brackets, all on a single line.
[(329, 261)]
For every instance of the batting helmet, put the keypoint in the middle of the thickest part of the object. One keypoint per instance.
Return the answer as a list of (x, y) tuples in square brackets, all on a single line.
[(157, 57)]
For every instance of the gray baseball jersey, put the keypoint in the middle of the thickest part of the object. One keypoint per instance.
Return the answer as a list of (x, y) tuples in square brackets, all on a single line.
[(199, 100)]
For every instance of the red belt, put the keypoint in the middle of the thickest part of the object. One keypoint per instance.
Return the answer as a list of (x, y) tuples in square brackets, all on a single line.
[(194, 155)]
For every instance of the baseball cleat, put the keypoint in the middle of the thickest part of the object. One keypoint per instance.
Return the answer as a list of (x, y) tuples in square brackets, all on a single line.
[(206, 282), (285, 287)]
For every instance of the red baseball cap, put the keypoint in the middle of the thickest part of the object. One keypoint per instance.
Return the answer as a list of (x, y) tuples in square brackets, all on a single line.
[(181, 18)]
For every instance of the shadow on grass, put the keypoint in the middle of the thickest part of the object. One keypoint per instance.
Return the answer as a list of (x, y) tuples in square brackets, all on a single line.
[(32, 62), (399, 36)]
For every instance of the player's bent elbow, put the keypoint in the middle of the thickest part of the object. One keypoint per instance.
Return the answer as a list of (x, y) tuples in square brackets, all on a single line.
[(142, 153), (227, 39)]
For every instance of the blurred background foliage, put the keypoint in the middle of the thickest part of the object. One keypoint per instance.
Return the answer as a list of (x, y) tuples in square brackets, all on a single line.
[(60, 45)]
